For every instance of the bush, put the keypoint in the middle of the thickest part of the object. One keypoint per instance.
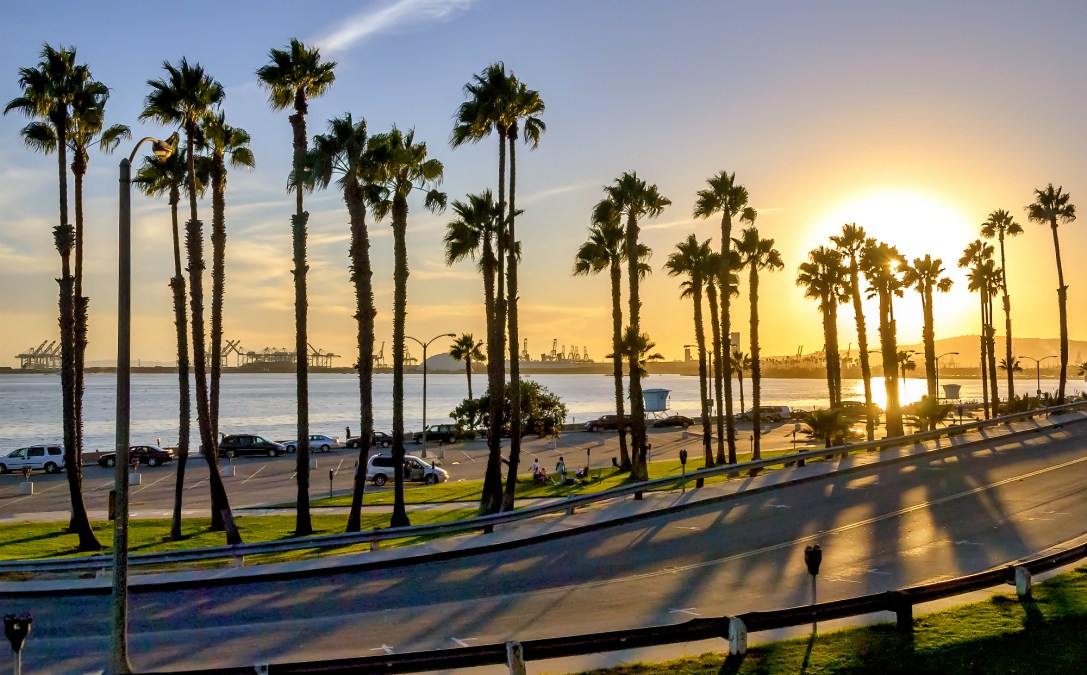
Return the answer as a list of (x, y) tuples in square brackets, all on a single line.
[(542, 412)]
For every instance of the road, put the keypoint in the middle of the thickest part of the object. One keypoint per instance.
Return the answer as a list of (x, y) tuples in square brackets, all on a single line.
[(880, 529)]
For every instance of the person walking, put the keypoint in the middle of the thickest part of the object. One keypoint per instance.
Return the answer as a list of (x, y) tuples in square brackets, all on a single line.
[(560, 469)]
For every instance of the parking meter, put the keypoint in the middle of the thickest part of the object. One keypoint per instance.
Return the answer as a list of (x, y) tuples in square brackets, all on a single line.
[(134, 462), (17, 628), (683, 456), (683, 468), (813, 556), (331, 475), (26, 473)]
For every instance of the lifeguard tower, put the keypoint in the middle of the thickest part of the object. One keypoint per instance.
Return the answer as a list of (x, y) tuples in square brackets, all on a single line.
[(656, 402)]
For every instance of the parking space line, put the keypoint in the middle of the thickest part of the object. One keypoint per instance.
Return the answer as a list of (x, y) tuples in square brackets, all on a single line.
[(253, 475)]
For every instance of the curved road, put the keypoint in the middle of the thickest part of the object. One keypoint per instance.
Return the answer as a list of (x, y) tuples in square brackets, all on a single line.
[(880, 529)]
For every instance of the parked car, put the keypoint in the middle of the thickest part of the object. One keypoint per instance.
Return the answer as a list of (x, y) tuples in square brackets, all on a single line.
[(316, 442), (48, 458), (380, 470), (446, 433), (854, 411), (674, 421), (774, 413), (151, 455), (608, 422), (379, 439), (249, 444)]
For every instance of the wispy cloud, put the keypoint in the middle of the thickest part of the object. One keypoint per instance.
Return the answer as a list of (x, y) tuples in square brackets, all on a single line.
[(552, 192), (386, 17), (669, 225)]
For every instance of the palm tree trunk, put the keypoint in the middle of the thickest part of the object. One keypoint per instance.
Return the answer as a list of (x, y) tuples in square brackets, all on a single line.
[(862, 345), (617, 359), (491, 498), (726, 336), (929, 338), (468, 374), (303, 525), (1007, 302), (177, 285), (218, 284), (824, 307), (756, 369), (990, 336), (79, 169), (400, 301), (703, 374), (984, 361), (718, 372), (889, 345), (1062, 305), (514, 336), (639, 464), (740, 383), (365, 312)]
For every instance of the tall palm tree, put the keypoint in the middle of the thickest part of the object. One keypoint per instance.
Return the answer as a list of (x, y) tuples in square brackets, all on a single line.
[(634, 199), (227, 145), (49, 91), (524, 109), (724, 194), (824, 278), (185, 98), (882, 265), (689, 259), (466, 348), (925, 276), (711, 278), (343, 151), (756, 254), (605, 249), (852, 242), (401, 165), (984, 278), (1000, 224), (486, 109), (1052, 207), (741, 363), (292, 78), (156, 178)]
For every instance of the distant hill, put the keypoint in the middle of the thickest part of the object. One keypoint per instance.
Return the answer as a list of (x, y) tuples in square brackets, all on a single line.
[(969, 350)]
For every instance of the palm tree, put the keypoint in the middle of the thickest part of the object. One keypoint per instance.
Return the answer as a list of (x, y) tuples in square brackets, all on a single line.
[(227, 144), (710, 277), (881, 265), (1052, 207), (930, 412), (466, 348), (852, 242), (185, 98), (756, 254), (294, 76), (401, 165), (906, 362), (978, 257), (156, 178), (724, 194), (1015, 367), (343, 151), (824, 278), (741, 363), (924, 277), (829, 426), (1000, 224), (635, 199), (487, 109), (690, 259), (49, 91)]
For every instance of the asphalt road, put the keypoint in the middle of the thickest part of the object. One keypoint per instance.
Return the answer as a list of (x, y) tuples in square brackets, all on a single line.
[(890, 526)]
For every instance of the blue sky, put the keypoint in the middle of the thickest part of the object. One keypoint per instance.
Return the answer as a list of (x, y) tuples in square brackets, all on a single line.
[(913, 119)]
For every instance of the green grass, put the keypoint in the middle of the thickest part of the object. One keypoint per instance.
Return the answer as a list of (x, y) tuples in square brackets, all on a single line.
[(999, 635)]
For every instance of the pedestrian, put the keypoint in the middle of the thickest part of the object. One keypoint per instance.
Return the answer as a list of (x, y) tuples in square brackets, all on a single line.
[(535, 467), (560, 469)]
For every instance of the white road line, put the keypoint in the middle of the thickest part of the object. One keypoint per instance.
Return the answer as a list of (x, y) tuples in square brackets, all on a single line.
[(689, 610), (463, 642), (155, 482), (848, 581), (253, 475), (197, 484), (383, 648)]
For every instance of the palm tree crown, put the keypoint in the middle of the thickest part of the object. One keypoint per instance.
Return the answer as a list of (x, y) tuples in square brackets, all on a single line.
[(295, 75)]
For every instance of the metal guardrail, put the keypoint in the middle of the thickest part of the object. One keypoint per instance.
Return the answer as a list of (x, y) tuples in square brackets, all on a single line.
[(240, 551)]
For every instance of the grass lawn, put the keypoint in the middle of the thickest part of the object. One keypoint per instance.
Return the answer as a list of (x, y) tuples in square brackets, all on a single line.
[(999, 635)]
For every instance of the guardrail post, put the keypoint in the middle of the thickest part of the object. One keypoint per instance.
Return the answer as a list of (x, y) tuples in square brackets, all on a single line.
[(1022, 581), (737, 636), (903, 609), (515, 658), (570, 509), (261, 669)]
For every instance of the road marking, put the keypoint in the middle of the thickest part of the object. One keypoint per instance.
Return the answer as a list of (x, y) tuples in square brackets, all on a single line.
[(383, 648), (197, 484), (470, 458), (780, 506), (463, 642), (154, 482), (872, 571), (689, 610), (967, 542), (686, 527), (848, 581), (253, 475)]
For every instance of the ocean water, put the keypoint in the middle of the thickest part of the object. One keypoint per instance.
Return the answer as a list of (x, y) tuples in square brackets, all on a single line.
[(265, 403)]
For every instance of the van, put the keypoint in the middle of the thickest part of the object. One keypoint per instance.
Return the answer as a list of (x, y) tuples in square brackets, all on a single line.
[(48, 458), (774, 413), (380, 470)]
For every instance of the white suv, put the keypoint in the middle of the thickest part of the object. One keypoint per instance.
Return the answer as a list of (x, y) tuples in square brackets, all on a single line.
[(380, 470), (49, 458)]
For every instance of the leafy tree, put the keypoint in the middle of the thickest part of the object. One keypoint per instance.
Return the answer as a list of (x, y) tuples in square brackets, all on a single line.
[(829, 426), (542, 412), (690, 259), (882, 267), (924, 276), (1052, 207), (294, 76), (343, 151), (756, 254), (185, 98), (49, 91), (824, 278), (634, 199), (401, 165), (1000, 224), (466, 348), (728, 197), (852, 242)]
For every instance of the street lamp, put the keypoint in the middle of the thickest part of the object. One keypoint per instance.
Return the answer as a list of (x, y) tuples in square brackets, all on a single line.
[(119, 634), (938, 370), (424, 345), (1038, 371)]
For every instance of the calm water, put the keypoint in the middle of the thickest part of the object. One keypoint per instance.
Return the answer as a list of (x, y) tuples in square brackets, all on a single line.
[(265, 404)]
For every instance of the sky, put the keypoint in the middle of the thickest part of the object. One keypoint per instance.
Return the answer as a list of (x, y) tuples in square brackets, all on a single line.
[(914, 120)]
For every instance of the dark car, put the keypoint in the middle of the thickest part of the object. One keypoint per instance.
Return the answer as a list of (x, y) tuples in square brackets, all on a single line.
[(608, 422), (674, 421), (380, 439), (151, 455), (853, 411), (249, 444), (446, 433)]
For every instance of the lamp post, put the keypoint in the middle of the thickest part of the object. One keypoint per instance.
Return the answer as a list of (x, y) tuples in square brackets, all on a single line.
[(1038, 372), (424, 345), (938, 370), (119, 609)]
